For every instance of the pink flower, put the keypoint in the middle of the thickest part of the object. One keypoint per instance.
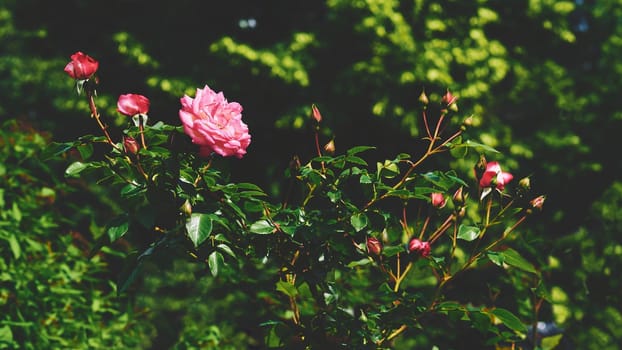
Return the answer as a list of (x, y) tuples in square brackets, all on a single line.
[(132, 104), (438, 200), (81, 66), (419, 247), (494, 177), (214, 124)]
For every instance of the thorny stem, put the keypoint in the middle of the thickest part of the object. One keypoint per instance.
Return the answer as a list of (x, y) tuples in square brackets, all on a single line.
[(434, 236), (95, 114)]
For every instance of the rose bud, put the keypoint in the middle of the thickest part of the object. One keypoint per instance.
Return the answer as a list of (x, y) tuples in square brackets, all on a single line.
[(330, 147), (537, 202), (448, 99), (459, 197), (81, 66), (438, 200), (130, 145), (132, 104), (374, 247), (419, 247), (423, 98), (315, 113)]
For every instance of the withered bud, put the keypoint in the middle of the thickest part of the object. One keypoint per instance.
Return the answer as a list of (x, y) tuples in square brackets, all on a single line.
[(330, 147), (130, 145), (315, 113)]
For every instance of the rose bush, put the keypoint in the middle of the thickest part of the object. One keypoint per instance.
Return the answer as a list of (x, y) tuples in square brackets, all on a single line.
[(354, 255)]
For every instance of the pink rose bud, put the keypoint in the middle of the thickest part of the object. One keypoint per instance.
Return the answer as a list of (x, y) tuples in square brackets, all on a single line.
[(330, 147), (438, 200), (214, 124), (494, 177), (448, 99), (537, 202), (130, 145), (374, 247), (81, 66), (419, 247), (316, 113), (132, 104)]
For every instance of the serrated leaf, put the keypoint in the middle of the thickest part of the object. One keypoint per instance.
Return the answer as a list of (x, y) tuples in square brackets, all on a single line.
[(262, 227), (359, 221), (118, 227), (513, 258), (468, 233), (199, 227), (214, 260), (509, 319)]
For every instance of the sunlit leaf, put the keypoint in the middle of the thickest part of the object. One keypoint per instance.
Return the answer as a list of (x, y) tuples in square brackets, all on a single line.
[(509, 319), (468, 233), (199, 227)]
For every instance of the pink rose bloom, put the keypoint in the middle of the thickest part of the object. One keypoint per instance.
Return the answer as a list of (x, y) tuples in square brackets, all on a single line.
[(419, 247), (494, 177), (81, 66), (132, 104), (214, 124)]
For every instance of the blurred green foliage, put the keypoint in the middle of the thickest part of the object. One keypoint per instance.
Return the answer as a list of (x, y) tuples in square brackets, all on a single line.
[(541, 79)]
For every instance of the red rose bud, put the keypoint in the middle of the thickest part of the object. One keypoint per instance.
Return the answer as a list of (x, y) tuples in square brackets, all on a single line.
[(374, 247), (438, 200), (132, 104), (81, 66), (419, 247), (130, 145), (316, 113)]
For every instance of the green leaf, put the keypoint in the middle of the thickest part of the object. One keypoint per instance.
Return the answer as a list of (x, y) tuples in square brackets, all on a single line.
[(15, 248), (199, 227), (513, 258), (509, 319), (286, 288), (75, 168), (6, 336), (225, 248), (392, 250), (359, 149), (356, 160), (495, 257), (86, 150), (214, 260), (359, 221), (262, 227), (118, 227), (468, 233)]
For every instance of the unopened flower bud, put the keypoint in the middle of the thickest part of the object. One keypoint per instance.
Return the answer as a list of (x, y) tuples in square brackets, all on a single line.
[(525, 183), (186, 208), (423, 98), (315, 113), (374, 247), (438, 200), (460, 197), (330, 147), (448, 99), (130, 145), (537, 202), (461, 212), (419, 247)]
